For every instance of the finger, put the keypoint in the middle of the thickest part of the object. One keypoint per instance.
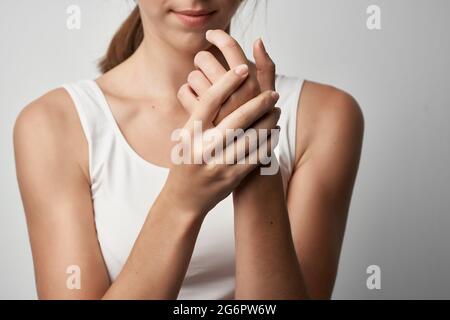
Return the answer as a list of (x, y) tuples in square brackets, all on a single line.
[(187, 98), (250, 112), (257, 134), (240, 144), (232, 153), (211, 101), (230, 48), (262, 155), (209, 65), (265, 67), (246, 92), (238, 152), (198, 82)]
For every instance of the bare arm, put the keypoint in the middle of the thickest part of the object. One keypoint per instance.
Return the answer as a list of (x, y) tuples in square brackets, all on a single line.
[(318, 199), (321, 187), (51, 157), (57, 201), (266, 263), (290, 249)]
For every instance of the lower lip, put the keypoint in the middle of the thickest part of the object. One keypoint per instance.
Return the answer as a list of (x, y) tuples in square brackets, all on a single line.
[(194, 21)]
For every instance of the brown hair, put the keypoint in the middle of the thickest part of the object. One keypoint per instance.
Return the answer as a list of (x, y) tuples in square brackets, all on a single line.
[(124, 43)]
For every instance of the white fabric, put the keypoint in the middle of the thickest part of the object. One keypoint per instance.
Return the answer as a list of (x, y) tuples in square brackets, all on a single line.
[(124, 186)]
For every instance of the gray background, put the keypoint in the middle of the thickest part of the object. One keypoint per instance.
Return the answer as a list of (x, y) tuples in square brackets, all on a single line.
[(399, 217)]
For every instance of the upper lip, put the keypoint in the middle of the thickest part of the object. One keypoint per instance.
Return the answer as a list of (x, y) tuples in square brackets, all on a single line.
[(192, 12)]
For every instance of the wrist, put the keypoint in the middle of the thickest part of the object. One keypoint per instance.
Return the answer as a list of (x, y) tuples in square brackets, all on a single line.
[(256, 187), (180, 210)]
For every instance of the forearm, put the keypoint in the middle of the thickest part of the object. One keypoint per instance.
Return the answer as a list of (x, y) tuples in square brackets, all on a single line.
[(266, 263), (160, 257)]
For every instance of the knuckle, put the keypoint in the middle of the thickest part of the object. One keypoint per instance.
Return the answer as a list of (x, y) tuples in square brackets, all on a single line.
[(267, 99), (253, 87), (212, 170), (245, 97), (230, 43), (232, 101), (228, 176)]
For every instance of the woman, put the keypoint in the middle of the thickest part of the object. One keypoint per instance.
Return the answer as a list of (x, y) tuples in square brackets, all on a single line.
[(103, 197)]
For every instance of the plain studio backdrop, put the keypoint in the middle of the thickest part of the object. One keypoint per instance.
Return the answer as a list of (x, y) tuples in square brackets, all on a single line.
[(399, 218)]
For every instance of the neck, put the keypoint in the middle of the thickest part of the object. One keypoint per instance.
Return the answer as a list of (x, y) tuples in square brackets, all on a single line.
[(163, 68)]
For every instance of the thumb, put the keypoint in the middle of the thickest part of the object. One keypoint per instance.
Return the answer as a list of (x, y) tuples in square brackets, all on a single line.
[(265, 67)]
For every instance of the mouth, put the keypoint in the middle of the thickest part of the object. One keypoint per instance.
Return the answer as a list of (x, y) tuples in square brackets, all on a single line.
[(194, 18)]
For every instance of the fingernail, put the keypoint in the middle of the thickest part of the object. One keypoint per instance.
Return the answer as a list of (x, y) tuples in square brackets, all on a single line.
[(241, 70), (208, 33), (275, 95)]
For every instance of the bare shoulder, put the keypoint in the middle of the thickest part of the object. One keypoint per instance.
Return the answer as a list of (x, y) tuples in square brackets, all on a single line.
[(47, 114), (327, 117), (49, 128)]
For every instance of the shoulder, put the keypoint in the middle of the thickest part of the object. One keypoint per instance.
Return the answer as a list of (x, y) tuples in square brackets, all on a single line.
[(50, 117), (45, 114), (48, 129), (327, 117)]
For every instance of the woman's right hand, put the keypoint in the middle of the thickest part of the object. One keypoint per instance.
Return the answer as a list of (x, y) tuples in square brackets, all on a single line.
[(194, 186)]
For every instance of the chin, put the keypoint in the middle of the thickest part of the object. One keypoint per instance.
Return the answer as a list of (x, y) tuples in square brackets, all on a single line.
[(191, 42)]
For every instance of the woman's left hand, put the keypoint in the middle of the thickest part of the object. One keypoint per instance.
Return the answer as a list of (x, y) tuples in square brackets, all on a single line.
[(209, 70)]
